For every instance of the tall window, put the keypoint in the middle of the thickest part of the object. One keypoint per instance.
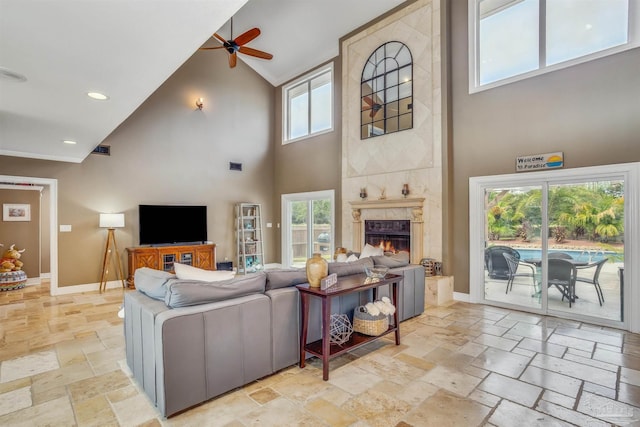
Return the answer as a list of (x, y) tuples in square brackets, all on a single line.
[(514, 39), (308, 105)]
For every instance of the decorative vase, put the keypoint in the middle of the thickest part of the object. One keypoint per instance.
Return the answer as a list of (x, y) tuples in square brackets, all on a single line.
[(317, 269)]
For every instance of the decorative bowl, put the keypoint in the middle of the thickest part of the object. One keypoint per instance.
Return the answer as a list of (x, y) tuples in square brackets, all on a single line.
[(377, 271)]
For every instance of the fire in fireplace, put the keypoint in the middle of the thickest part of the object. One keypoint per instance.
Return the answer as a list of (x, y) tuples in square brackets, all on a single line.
[(390, 235)]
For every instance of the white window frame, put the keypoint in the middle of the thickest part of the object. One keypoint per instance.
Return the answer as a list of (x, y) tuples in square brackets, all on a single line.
[(285, 104), (630, 172), (286, 237), (474, 43)]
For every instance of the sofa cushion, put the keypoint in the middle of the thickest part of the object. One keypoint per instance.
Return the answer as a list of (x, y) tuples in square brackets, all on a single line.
[(152, 283), (182, 293), (285, 278), (393, 260), (187, 272), (348, 268)]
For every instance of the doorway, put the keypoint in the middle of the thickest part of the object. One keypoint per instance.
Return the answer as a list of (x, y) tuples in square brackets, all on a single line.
[(308, 226), (556, 242), (52, 185)]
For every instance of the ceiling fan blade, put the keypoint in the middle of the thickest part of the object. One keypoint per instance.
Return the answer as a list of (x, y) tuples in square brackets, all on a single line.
[(211, 48), (219, 37), (254, 52), (233, 58), (247, 36), (368, 100)]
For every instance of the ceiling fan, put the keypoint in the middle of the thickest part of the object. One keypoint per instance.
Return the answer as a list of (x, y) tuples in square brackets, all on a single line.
[(371, 105), (232, 46)]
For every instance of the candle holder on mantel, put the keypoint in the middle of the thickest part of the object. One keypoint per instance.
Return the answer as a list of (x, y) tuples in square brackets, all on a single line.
[(363, 193), (405, 190)]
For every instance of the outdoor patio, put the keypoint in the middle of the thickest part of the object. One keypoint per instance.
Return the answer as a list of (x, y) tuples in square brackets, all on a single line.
[(587, 303)]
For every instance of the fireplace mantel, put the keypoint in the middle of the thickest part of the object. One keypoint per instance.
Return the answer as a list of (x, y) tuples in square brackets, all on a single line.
[(413, 205), (416, 202)]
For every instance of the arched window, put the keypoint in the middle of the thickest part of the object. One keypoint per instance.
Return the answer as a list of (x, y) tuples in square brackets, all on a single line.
[(386, 91)]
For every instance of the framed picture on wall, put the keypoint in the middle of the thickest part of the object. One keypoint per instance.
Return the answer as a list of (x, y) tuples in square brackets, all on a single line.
[(16, 212)]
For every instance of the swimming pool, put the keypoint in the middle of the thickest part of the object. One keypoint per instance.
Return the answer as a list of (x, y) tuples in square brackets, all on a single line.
[(577, 254)]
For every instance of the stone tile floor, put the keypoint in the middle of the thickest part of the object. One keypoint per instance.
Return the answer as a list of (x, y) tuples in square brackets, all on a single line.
[(62, 363)]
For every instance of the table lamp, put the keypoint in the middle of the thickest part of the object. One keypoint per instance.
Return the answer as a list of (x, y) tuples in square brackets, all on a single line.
[(111, 221)]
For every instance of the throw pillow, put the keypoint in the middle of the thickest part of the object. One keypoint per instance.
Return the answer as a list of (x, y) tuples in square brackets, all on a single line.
[(369, 251), (341, 258), (187, 272), (392, 261), (348, 268), (187, 293), (285, 278), (352, 258), (152, 283)]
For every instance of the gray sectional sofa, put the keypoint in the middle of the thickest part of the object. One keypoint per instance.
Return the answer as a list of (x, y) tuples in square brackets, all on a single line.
[(190, 341)]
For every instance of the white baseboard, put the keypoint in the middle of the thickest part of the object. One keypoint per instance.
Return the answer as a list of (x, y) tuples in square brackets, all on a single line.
[(32, 281), (88, 287), (459, 296)]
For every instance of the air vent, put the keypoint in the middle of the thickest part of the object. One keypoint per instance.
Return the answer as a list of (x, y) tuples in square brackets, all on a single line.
[(104, 150), (235, 166)]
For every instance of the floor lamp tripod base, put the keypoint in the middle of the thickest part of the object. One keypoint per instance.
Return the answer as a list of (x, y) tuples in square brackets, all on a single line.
[(108, 250)]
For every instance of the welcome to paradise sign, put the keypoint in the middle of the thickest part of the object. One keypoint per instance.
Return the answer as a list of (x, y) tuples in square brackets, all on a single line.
[(535, 162)]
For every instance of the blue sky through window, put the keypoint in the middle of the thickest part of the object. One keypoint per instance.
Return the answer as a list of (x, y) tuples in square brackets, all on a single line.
[(509, 39)]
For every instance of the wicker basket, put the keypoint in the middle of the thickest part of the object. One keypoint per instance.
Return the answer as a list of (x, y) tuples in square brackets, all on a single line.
[(367, 324), (429, 266)]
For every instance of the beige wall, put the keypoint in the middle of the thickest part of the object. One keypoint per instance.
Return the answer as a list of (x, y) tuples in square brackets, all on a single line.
[(588, 111), (168, 152), (312, 164), (24, 234)]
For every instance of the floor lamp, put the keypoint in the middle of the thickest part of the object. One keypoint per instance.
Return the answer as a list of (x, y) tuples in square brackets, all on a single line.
[(111, 222)]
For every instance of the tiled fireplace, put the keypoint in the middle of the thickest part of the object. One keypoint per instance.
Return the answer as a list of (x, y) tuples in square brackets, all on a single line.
[(383, 165), (400, 220)]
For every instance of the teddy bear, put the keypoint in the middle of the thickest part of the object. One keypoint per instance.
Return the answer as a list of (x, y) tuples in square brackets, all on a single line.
[(10, 260)]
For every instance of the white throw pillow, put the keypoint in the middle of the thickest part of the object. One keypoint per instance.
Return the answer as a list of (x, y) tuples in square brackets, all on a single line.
[(187, 272), (341, 258), (352, 258), (369, 251)]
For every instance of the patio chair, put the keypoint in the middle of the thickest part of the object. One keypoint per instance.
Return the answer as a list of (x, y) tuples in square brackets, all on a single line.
[(496, 264), (513, 263), (594, 280), (562, 274), (559, 255)]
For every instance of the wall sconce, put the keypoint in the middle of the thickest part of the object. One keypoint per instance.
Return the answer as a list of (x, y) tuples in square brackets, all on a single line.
[(405, 190), (200, 103)]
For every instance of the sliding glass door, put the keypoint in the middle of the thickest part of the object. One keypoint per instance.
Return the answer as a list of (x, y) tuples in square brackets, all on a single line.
[(586, 222), (555, 242), (512, 240)]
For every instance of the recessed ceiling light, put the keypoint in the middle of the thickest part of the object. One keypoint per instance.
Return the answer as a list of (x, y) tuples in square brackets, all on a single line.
[(68, 141), (97, 95), (6, 73)]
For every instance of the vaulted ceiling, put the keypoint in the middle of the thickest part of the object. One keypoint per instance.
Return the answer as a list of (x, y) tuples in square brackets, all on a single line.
[(52, 53)]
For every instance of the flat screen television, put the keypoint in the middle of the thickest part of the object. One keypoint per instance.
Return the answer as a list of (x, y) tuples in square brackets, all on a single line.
[(172, 224)]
